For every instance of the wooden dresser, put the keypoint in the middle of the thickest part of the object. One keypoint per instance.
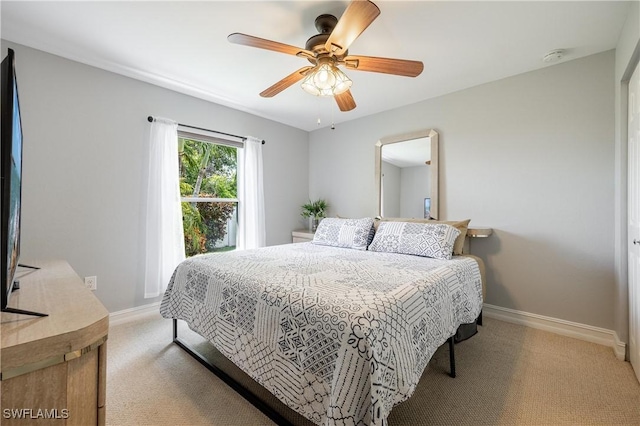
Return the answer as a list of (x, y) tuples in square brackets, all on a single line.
[(53, 369)]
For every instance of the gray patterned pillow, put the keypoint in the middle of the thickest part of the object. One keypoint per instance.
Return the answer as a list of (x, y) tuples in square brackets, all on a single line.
[(419, 239), (348, 233)]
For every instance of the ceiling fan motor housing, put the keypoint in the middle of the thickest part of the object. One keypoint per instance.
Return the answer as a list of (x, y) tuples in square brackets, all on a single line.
[(324, 24)]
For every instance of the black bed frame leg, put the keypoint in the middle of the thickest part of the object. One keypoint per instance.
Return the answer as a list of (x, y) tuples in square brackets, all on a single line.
[(237, 386), (479, 321), (452, 359)]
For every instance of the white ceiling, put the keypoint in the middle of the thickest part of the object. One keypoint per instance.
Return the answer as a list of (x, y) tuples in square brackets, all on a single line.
[(411, 153), (183, 46)]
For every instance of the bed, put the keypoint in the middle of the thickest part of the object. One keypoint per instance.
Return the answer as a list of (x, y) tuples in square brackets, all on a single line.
[(338, 334)]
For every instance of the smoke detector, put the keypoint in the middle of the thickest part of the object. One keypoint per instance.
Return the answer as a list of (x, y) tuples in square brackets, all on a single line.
[(553, 56)]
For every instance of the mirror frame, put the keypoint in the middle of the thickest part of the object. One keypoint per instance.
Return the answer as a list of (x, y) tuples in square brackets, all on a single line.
[(430, 133)]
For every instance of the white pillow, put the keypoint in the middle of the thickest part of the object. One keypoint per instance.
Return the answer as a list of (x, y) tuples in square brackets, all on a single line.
[(348, 233), (419, 239)]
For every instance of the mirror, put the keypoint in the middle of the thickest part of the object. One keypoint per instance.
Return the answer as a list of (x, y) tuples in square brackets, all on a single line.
[(407, 175)]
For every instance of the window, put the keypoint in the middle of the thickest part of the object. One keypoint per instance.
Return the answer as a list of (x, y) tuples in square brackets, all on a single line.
[(209, 191)]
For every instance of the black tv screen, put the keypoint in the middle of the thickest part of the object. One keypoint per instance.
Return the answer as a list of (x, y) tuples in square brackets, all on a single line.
[(11, 175), (11, 149)]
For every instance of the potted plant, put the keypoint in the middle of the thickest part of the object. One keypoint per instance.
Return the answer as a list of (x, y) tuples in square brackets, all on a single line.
[(314, 210)]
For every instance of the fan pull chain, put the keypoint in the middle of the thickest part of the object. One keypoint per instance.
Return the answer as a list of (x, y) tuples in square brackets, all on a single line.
[(333, 124)]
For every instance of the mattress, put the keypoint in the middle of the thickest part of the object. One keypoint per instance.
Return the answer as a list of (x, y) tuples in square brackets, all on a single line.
[(339, 335)]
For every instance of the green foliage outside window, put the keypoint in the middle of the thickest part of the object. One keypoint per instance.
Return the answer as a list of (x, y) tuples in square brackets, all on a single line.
[(206, 171)]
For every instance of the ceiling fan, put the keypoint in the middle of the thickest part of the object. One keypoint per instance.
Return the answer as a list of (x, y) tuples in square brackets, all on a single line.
[(328, 50)]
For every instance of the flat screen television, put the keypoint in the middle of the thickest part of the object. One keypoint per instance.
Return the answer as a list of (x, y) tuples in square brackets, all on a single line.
[(11, 175)]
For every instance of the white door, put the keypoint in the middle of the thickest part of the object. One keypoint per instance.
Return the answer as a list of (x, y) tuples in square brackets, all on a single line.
[(634, 221)]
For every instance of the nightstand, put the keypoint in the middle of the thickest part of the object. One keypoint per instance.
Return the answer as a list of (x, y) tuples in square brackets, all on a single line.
[(479, 232), (302, 235), (475, 232)]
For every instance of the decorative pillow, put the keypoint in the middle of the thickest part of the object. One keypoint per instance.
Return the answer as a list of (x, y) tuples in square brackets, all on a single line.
[(419, 239), (460, 225), (348, 233)]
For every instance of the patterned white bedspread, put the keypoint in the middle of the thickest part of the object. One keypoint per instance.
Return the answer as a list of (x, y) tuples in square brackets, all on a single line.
[(339, 335)]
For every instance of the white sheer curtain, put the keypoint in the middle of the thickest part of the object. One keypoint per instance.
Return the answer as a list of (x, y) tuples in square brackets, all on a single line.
[(251, 224), (164, 234)]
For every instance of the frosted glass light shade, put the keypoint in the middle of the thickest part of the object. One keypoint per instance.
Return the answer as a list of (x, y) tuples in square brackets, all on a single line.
[(326, 80)]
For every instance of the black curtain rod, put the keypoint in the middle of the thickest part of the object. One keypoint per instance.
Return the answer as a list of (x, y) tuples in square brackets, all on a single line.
[(152, 119)]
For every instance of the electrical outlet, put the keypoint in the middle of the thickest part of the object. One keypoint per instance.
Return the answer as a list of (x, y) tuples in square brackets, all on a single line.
[(91, 283)]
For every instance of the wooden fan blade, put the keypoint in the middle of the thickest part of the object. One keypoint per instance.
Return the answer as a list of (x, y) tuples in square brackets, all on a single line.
[(262, 43), (384, 65), (345, 101), (285, 82), (355, 19)]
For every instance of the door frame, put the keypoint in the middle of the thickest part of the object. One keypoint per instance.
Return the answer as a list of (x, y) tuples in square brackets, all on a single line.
[(621, 252), (633, 280)]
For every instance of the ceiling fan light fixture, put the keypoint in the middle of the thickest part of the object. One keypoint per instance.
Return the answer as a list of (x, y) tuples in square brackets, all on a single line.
[(326, 80), (329, 49)]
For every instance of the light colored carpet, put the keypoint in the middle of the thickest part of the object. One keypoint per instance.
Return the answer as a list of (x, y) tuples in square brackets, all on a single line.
[(506, 375)]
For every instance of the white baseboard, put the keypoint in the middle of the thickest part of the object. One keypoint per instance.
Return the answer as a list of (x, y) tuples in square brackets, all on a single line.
[(585, 332), (126, 315), (619, 347)]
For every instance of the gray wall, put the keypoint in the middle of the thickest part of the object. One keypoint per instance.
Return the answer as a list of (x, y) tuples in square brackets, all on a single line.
[(531, 156), (392, 189), (85, 135), (415, 188)]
